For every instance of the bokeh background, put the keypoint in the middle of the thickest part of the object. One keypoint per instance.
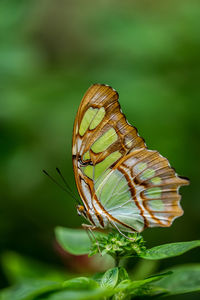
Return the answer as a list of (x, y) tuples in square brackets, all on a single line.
[(50, 53)]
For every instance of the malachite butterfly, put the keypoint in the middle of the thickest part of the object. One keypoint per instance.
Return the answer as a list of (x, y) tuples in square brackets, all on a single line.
[(122, 184)]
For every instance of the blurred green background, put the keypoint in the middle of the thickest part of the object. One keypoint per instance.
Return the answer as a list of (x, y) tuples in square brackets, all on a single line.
[(50, 53)]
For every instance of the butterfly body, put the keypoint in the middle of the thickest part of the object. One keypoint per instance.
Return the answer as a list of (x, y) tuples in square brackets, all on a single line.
[(122, 184), (97, 219)]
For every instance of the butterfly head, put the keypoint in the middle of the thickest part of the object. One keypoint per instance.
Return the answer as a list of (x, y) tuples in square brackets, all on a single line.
[(81, 211)]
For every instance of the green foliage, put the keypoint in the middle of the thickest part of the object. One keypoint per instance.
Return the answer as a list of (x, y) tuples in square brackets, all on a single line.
[(114, 284), (18, 269), (29, 289), (140, 287), (110, 278), (169, 250), (119, 246), (35, 281), (183, 279), (69, 238)]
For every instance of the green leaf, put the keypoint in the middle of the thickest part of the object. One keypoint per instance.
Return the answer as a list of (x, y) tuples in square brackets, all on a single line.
[(80, 283), (28, 290), (133, 285), (18, 268), (122, 275), (110, 278), (99, 293), (75, 241), (184, 279), (139, 287), (169, 250), (98, 276)]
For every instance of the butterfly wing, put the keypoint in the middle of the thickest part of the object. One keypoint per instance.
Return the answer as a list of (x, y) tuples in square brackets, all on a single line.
[(115, 173), (101, 136), (101, 128), (141, 191)]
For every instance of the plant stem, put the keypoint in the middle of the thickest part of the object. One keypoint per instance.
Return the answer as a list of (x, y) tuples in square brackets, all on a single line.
[(117, 260)]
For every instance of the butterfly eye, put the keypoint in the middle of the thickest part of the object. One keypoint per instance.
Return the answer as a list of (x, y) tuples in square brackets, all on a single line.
[(80, 210)]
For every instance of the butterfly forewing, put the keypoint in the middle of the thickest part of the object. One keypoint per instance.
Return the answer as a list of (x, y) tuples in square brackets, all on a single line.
[(116, 175), (101, 128)]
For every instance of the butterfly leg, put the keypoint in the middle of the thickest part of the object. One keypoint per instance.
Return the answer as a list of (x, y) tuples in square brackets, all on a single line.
[(112, 223), (89, 229)]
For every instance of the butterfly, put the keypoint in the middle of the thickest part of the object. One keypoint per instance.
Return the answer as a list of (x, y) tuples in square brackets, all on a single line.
[(122, 184)]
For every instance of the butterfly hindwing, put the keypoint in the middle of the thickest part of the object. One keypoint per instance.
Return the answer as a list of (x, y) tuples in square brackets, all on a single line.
[(115, 194), (156, 186)]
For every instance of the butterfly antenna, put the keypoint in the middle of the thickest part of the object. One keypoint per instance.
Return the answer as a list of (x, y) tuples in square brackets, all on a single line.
[(60, 186), (64, 180)]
